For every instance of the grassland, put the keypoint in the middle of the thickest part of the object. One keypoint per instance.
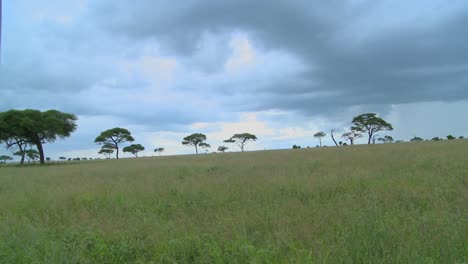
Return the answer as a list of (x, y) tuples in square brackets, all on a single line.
[(394, 203)]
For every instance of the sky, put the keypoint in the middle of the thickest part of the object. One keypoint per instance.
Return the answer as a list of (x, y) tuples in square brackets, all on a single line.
[(282, 70)]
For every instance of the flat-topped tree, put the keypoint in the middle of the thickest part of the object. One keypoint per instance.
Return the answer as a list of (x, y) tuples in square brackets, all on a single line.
[(196, 140), (320, 135), (351, 136), (114, 137), (107, 149), (5, 158), (205, 146), (241, 139), (37, 128), (134, 149), (416, 139), (222, 148), (370, 123), (159, 150), (386, 139)]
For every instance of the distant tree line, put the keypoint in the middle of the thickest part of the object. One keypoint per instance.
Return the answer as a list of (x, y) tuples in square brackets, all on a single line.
[(26, 131)]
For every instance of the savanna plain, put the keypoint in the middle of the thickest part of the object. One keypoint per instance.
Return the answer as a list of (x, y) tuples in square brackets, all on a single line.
[(386, 203)]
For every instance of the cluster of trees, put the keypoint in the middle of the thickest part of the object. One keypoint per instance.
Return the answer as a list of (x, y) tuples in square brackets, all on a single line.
[(365, 124), (28, 130), (112, 138), (369, 125), (198, 140), (449, 137)]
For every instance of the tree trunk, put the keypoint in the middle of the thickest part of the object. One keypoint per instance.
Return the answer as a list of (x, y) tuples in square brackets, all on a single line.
[(196, 149), (331, 133), (370, 138), (41, 152), (116, 152), (22, 153), (320, 140)]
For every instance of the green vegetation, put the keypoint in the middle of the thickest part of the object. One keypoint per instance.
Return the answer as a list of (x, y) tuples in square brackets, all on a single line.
[(370, 123), (111, 138), (134, 149), (320, 135), (392, 203), (197, 140), (20, 128), (241, 139)]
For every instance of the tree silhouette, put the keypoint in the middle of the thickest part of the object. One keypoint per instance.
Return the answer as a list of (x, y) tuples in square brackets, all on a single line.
[(370, 123), (320, 135), (159, 150), (222, 148), (134, 149), (35, 127), (196, 140), (351, 136), (114, 137), (241, 139)]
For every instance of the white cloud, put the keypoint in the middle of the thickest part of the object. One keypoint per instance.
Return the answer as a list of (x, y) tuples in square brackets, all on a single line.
[(243, 54)]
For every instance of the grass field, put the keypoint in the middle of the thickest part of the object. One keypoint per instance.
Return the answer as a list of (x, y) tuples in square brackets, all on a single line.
[(394, 203)]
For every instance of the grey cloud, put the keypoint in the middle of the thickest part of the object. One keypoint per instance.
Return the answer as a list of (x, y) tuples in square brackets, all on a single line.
[(386, 67)]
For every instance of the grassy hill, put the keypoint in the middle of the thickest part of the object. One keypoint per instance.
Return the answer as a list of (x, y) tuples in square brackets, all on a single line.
[(394, 203)]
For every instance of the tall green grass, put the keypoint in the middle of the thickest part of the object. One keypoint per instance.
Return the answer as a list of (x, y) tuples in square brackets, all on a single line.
[(395, 203)]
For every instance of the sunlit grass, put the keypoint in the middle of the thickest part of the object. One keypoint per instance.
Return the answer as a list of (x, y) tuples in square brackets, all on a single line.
[(395, 203)]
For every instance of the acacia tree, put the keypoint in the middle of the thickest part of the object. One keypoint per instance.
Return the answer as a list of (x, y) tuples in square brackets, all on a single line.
[(205, 146), (222, 148), (386, 139), (241, 139), (159, 150), (370, 123), (196, 140), (107, 150), (114, 137), (320, 135), (5, 158), (134, 149), (416, 139), (36, 128), (31, 154), (351, 136), (12, 133)]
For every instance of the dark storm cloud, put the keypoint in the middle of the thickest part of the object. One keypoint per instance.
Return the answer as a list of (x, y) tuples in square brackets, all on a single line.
[(351, 61)]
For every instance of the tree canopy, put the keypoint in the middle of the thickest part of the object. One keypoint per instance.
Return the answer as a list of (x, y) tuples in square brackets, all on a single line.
[(21, 127), (114, 137), (159, 150), (196, 140), (320, 135), (5, 158), (241, 139), (370, 123), (351, 136), (416, 139), (134, 149), (386, 139), (222, 148), (107, 149)]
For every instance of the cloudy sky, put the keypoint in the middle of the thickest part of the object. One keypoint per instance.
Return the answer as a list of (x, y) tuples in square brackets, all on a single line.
[(282, 70)]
